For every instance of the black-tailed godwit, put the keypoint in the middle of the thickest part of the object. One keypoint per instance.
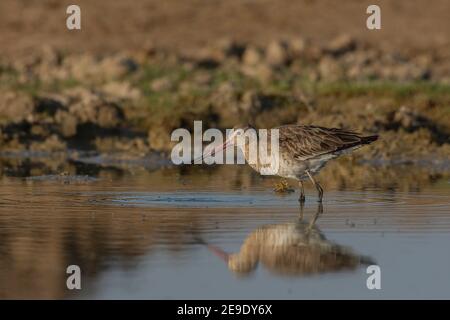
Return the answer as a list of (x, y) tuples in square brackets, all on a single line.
[(303, 150)]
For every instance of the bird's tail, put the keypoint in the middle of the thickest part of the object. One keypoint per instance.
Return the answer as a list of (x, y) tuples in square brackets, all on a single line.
[(366, 261), (369, 139)]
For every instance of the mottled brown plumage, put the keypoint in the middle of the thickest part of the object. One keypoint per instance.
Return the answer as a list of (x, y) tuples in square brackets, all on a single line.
[(293, 249), (306, 142)]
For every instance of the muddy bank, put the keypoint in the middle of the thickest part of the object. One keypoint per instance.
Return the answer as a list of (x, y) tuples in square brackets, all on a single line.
[(187, 25), (341, 174), (128, 103)]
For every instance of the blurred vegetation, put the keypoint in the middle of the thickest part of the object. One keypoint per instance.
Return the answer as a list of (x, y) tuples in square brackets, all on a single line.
[(131, 101)]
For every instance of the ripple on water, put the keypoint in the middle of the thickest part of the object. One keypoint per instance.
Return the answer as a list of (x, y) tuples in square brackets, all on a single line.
[(343, 210), (343, 199), (193, 200)]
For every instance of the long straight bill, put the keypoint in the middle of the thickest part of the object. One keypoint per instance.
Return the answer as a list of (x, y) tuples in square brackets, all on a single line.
[(212, 151)]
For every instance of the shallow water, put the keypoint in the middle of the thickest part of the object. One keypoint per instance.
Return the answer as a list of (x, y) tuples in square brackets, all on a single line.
[(204, 233)]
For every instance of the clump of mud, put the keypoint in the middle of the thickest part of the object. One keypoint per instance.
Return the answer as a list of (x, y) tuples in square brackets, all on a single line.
[(282, 186)]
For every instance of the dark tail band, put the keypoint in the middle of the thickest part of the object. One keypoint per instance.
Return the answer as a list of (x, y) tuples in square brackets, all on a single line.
[(369, 139)]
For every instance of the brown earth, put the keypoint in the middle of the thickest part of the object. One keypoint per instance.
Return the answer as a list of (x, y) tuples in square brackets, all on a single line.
[(190, 24)]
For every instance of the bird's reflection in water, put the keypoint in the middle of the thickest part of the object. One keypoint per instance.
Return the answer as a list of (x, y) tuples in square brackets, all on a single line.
[(293, 249)]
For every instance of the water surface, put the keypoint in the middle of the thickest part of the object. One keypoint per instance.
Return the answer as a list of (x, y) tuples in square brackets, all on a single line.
[(221, 233)]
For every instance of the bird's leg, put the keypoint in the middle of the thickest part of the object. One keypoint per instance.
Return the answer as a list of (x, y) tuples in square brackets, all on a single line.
[(316, 184), (301, 199), (302, 205), (316, 216)]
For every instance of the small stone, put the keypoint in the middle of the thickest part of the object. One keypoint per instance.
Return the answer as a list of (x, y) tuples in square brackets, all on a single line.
[(109, 115), (161, 84), (48, 105), (52, 143), (341, 44), (262, 72), (159, 139), (297, 46), (252, 56), (68, 123), (39, 130), (121, 90), (15, 106), (203, 78), (330, 70), (277, 54)]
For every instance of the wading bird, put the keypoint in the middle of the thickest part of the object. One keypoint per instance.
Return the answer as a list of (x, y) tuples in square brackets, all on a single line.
[(294, 249), (302, 150)]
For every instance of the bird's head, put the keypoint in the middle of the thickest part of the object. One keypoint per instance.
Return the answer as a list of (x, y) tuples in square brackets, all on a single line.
[(236, 132)]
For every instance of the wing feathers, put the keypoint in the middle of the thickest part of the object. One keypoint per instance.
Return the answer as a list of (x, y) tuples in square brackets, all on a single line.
[(305, 142)]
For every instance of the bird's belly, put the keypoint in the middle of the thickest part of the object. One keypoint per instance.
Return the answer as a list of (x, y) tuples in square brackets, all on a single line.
[(291, 168), (296, 169)]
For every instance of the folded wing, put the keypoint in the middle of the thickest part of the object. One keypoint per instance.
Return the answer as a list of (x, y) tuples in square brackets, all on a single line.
[(306, 142)]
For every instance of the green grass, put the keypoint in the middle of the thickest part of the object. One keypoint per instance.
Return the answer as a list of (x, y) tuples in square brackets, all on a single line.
[(151, 72), (398, 90), (170, 105), (36, 87)]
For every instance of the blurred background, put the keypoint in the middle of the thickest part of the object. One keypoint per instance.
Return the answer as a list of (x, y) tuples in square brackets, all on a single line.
[(135, 72)]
